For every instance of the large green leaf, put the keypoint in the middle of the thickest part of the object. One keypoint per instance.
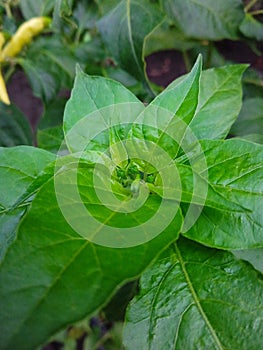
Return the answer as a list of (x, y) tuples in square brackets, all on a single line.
[(196, 298), (219, 103), (206, 19), (19, 168), (235, 172), (124, 31), (165, 120), (92, 104), (181, 97), (250, 119), (54, 276), (14, 128)]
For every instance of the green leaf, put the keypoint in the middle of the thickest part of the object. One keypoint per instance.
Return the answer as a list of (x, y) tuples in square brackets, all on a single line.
[(9, 222), (206, 19), (50, 139), (251, 27), (235, 172), (252, 84), (250, 119), (85, 14), (49, 66), (219, 103), (62, 14), (35, 8), (106, 6), (19, 168), (53, 113), (14, 128), (56, 277), (181, 97), (165, 119), (257, 138), (165, 37), (124, 31), (196, 298), (90, 109)]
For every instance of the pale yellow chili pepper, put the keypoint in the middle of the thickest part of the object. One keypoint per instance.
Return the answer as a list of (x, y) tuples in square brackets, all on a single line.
[(3, 92), (24, 36)]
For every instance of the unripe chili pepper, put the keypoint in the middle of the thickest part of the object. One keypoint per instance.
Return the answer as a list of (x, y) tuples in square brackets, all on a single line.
[(23, 36), (3, 92)]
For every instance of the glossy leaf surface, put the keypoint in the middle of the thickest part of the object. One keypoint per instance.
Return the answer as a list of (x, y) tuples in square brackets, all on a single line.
[(219, 103), (51, 266), (235, 172), (187, 301)]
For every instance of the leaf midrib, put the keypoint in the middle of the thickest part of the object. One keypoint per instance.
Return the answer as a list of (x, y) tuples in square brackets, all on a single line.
[(196, 300)]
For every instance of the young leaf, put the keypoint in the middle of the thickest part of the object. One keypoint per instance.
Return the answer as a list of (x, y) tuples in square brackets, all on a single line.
[(164, 121), (220, 101), (93, 102), (196, 298), (124, 31), (235, 172), (206, 19), (19, 168), (181, 97), (54, 276)]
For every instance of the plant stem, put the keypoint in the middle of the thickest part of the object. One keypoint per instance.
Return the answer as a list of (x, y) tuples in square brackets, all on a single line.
[(9, 73), (187, 62), (257, 12), (209, 55), (148, 89), (8, 10), (249, 5)]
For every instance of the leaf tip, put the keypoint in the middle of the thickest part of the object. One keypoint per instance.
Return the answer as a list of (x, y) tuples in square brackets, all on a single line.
[(78, 69)]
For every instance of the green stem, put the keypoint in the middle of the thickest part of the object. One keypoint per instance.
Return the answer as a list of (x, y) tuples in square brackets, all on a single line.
[(9, 73), (209, 55), (257, 12), (187, 62), (250, 4), (8, 10), (148, 89)]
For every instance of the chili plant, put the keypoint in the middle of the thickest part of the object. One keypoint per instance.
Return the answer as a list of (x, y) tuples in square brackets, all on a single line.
[(154, 192)]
